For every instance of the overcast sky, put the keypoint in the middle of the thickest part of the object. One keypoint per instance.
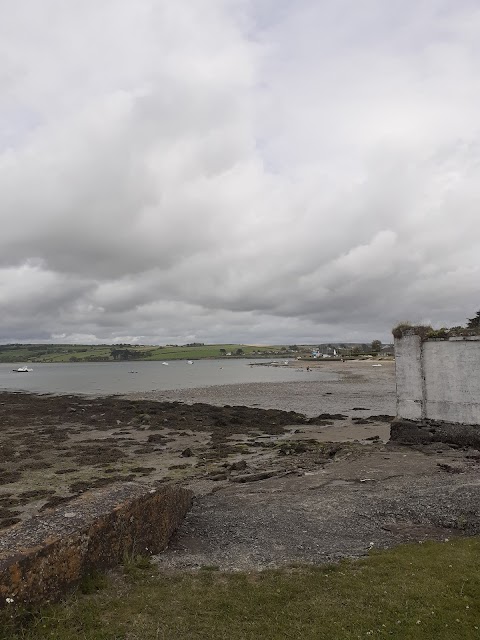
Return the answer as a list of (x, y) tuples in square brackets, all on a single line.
[(258, 171)]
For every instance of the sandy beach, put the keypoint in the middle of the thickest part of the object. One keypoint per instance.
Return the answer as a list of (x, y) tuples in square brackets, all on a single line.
[(360, 389)]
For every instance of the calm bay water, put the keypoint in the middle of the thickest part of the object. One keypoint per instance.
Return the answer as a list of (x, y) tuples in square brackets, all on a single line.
[(127, 377)]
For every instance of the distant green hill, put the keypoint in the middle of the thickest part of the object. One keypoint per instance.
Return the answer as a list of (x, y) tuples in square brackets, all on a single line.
[(122, 352)]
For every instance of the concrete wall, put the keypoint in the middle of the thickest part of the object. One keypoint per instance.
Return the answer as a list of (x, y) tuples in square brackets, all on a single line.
[(438, 379), (44, 556), (408, 368)]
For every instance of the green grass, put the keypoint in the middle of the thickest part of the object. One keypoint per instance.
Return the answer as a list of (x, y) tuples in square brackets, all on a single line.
[(87, 353), (413, 592), (207, 351), (51, 353)]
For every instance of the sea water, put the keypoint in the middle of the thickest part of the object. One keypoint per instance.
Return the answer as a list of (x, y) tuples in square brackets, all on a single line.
[(98, 378)]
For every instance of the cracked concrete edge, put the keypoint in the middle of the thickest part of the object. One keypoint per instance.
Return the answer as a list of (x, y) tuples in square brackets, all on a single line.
[(43, 557)]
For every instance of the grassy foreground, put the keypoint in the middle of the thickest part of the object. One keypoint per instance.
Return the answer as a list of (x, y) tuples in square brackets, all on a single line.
[(414, 592)]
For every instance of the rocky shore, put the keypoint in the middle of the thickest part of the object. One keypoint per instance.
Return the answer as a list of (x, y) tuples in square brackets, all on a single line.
[(273, 485), (52, 448)]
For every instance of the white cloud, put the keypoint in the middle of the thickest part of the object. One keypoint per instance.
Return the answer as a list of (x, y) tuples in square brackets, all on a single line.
[(237, 170)]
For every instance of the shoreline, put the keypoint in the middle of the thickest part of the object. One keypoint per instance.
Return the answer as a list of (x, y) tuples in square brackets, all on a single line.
[(123, 378), (359, 390), (82, 442), (318, 485)]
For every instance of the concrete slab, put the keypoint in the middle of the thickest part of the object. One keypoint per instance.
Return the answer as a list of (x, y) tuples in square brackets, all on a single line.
[(44, 556)]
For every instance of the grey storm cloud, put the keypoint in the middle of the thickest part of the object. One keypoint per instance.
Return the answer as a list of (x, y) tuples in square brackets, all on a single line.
[(237, 170)]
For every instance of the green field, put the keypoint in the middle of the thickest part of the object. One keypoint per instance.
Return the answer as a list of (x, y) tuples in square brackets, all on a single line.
[(24, 353), (427, 591)]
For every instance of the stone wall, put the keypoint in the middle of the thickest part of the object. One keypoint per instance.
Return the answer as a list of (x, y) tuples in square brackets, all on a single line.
[(438, 380), (44, 556)]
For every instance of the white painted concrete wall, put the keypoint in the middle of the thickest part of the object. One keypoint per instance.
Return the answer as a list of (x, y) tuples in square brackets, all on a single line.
[(438, 380), (408, 371)]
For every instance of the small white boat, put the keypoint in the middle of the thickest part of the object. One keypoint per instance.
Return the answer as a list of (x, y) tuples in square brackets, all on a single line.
[(22, 370), (189, 361), (165, 363)]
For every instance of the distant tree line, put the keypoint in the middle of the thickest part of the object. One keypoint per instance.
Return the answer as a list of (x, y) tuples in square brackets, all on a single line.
[(426, 332), (129, 354), (474, 323)]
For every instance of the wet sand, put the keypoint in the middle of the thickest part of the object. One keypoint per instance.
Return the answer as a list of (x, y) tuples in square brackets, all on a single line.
[(54, 447), (360, 390), (282, 472)]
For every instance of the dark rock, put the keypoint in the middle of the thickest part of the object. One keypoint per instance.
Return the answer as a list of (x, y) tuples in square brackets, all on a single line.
[(7, 477), (238, 466), (187, 453), (254, 477), (157, 438), (142, 470), (82, 485), (449, 468), (217, 476), (55, 501), (9, 522), (455, 435), (36, 494)]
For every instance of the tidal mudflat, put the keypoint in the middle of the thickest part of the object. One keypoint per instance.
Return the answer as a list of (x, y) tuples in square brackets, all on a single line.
[(282, 472), (353, 388)]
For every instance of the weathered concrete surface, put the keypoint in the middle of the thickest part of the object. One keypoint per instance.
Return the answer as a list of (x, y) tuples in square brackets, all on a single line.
[(41, 558), (425, 432), (409, 377), (378, 497), (452, 380), (438, 379)]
